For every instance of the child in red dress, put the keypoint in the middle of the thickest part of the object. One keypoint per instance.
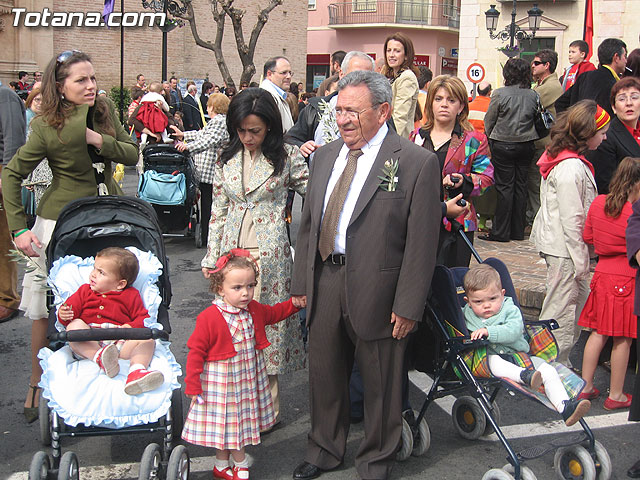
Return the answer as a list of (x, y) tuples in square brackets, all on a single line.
[(107, 301), (609, 308), (226, 374)]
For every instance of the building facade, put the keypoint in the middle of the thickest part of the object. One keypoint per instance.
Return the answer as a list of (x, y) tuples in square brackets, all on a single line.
[(30, 48), (365, 24), (562, 22)]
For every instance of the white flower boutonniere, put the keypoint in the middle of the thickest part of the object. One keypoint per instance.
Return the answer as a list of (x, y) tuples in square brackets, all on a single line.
[(388, 177)]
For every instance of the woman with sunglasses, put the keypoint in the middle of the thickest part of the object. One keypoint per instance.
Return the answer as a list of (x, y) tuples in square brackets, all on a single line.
[(81, 137), (623, 138)]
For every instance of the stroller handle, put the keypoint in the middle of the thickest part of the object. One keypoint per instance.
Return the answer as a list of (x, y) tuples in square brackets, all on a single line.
[(99, 334)]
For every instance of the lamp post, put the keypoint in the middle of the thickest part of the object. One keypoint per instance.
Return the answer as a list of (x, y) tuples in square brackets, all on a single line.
[(512, 31), (165, 6)]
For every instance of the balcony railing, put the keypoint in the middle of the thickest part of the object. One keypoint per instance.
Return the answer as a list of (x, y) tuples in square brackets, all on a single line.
[(390, 11)]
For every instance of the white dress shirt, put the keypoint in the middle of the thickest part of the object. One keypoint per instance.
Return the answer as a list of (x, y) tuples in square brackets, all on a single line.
[(365, 162)]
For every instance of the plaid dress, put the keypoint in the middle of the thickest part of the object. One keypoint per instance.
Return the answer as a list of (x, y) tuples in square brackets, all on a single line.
[(237, 400)]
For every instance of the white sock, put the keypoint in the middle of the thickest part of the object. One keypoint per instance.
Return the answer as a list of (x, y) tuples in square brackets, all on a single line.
[(136, 366), (221, 464)]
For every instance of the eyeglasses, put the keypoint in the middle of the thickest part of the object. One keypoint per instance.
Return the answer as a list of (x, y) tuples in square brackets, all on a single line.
[(625, 98), (537, 62), (352, 114), (64, 56), (285, 73)]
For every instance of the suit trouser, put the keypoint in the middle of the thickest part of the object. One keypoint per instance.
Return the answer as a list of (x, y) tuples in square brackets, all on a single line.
[(9, 296), (564, 301), (510, 170), (332, 347)]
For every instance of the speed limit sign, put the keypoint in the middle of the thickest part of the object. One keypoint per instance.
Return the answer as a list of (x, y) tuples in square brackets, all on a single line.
[(475, 73)]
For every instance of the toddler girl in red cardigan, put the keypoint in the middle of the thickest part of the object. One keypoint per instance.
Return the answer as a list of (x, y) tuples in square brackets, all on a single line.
[(109, 300), (226, 374)]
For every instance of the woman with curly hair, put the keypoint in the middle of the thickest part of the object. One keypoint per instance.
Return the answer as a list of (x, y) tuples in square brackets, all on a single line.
[(509, 124), (80, 135), (566, 192), (403, 75), (250, 183)]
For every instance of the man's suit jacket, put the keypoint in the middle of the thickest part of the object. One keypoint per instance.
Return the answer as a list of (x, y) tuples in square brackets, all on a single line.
[(392, 237), (618, 145), (283, 106), (192, 117), (594, 85)]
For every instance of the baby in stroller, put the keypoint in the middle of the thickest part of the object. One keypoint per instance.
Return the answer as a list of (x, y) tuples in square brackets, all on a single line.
[(109, 300), (488, 314)]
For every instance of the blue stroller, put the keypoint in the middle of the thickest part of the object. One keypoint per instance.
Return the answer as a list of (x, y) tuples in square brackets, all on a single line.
[(75, 400), (447, 354)]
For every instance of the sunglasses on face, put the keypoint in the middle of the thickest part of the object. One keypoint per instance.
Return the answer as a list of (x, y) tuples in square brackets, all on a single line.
[(537, 62)]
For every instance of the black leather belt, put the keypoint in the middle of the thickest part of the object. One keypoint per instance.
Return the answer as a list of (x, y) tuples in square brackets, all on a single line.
[(336, 259)]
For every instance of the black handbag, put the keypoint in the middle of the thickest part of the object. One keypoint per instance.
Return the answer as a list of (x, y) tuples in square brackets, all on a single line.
[(543, 119)]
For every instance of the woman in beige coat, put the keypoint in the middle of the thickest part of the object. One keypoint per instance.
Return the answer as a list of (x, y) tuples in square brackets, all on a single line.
[(251, 180), (403, 75)]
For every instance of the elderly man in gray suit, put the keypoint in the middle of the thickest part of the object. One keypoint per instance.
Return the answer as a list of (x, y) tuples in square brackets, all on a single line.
[(364, 259)]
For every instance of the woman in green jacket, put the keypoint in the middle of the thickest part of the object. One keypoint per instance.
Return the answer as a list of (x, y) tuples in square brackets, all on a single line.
[(81, 137)]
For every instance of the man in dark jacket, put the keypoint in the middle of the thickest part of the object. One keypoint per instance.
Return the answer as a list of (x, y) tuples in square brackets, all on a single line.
[(304, 133), (596, 85)]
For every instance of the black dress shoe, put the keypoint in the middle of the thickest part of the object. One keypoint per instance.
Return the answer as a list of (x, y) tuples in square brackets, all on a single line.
[(634, 472), (306, 470)]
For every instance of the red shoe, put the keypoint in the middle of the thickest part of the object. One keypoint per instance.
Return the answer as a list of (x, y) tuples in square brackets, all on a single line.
[(615, 405), (592, 395), (107, 360), (140, 381), (226, 473), (240, 473)]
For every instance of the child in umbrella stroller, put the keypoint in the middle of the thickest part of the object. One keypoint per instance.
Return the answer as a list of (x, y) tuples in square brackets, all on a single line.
[(109, 301), (488, 314)]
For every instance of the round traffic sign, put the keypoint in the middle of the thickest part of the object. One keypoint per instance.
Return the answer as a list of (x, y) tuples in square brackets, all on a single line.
[(475, 73)]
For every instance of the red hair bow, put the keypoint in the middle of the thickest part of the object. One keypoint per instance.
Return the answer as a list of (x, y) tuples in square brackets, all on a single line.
[(234, 252)]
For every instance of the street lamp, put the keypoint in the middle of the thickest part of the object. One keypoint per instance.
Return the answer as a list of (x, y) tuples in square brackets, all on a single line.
[(513, 31), (165, 6)]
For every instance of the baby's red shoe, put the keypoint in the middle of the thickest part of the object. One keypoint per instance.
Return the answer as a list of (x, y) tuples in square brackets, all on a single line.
[(107, 360), (140, 381)]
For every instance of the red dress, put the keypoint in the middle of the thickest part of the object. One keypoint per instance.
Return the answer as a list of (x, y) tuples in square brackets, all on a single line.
[(609, 308)]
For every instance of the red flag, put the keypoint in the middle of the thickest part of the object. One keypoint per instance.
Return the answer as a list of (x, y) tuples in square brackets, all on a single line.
[(588, 26)]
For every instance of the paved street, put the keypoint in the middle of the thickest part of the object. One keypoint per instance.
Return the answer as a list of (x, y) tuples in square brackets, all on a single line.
[(449, 457)]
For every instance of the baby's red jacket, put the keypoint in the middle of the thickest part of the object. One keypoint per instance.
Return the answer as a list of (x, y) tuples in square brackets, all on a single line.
[(211, 339), (122, 307)]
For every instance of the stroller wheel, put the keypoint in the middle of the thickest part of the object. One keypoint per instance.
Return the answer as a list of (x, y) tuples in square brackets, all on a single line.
[(40, 466), (44, 420), (497, 474), (150, 462), (468, 418), (488, 430), (525, 472), (407, 442), (603, 462), (178, 467), (574, 462), (422, 438), (69, 467)]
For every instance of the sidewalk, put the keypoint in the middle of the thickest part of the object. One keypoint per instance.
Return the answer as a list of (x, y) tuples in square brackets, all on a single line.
[(528, 270)]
